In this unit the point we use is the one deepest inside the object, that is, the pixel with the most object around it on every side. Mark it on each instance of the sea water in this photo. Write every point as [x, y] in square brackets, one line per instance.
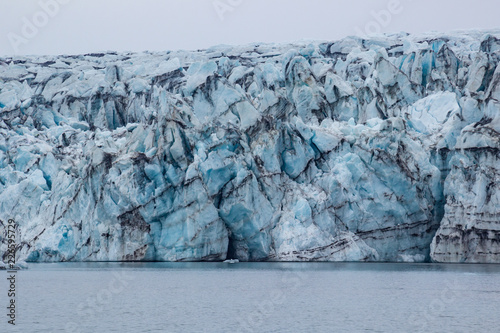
[254, 297]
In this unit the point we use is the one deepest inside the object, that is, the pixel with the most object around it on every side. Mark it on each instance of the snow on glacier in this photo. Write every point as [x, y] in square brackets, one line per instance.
[380, 149]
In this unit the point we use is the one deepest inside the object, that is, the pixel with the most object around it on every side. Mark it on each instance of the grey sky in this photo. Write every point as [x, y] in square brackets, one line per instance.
[82, 26]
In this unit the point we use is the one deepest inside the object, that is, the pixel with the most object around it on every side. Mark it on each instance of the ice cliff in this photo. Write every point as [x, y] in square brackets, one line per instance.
[380, 149]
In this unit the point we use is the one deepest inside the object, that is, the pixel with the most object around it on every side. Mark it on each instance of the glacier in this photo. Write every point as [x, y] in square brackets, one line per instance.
[376, 149]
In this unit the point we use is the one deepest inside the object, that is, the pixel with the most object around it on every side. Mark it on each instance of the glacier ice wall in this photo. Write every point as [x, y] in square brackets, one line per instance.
[380, 149]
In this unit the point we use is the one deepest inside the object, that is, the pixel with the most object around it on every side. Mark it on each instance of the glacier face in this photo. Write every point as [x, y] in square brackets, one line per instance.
[380, 149]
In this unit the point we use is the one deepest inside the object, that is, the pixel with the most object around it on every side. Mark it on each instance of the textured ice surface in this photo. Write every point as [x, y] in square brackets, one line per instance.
[361, 150]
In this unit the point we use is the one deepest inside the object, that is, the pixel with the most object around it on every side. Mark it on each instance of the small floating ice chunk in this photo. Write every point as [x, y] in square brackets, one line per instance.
[231, 261]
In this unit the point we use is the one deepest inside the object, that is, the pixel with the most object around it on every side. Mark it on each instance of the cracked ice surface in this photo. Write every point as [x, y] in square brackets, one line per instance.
[355, 150]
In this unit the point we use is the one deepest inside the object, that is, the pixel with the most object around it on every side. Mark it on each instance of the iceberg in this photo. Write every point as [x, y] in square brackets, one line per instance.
[377, 149]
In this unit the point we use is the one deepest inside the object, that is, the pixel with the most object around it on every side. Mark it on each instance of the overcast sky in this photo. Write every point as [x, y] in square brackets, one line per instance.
[82, 26]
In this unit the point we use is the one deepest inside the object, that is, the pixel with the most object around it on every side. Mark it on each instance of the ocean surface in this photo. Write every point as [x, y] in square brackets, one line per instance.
[254, 297]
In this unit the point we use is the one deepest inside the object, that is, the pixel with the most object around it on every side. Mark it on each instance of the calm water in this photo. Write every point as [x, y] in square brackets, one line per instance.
[255, 297]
